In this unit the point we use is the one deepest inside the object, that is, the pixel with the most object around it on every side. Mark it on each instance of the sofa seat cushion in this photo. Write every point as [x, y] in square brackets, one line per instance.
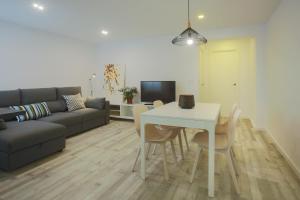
[64, 118]
[90, 113]
[18, 136]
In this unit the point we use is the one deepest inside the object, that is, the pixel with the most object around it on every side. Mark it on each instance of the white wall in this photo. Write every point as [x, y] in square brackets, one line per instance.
[31, 58]
[283, 70]
[154, 59]
[157, 59]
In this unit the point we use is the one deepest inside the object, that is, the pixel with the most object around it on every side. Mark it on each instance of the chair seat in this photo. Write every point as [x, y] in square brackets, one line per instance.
[201, 138]
[173, 129]
[165, 127]
[153, 134]
[221, 128]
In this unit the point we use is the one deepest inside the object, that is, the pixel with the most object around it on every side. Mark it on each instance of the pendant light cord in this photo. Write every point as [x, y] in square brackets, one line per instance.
[189, 23]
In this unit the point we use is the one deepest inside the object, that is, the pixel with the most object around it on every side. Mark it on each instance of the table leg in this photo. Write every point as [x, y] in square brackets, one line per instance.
[143, 159]
[211, 161]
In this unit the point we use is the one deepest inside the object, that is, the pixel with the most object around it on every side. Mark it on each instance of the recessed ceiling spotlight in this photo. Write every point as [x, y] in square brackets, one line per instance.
[38, 6]
[104, 32]
[201, 16]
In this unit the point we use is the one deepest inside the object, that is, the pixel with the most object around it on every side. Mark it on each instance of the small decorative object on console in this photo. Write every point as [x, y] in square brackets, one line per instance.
[186, 101]
[128, 93]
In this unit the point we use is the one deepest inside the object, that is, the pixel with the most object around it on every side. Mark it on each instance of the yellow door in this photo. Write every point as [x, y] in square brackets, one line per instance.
[228, 74]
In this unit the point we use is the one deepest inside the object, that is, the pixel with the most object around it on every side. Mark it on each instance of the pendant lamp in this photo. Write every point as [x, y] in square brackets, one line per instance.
[189, 37]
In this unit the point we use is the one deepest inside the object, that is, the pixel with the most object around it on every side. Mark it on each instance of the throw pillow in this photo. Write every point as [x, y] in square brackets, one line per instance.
[97, 103]
[57, 106]
[2, 124]
[74, 102]
[32, 111]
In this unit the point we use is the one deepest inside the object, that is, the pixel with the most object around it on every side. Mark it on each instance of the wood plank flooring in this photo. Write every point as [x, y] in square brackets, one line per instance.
[97, 165]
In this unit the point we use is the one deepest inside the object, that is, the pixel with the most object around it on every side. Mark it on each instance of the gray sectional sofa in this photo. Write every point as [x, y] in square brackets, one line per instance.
[24, 142]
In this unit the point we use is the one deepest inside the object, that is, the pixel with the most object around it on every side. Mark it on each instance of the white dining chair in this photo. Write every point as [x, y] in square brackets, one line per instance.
[180, 130]
[223, 145]
[153, 135]
[221, 128]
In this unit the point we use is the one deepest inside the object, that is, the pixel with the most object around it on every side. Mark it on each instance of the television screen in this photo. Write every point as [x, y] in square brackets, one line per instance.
[158, 90]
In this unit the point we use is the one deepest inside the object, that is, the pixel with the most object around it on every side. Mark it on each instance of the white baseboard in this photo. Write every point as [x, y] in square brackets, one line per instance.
[284, 154]
[255, 128]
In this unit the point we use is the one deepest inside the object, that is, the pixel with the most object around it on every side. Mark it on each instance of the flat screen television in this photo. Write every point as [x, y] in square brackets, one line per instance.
[158, 90]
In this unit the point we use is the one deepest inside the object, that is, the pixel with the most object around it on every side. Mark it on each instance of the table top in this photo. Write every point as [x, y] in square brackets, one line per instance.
[201, 111]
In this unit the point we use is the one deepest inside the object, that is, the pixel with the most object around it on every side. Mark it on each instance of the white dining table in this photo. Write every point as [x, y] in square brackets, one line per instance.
[202, 116]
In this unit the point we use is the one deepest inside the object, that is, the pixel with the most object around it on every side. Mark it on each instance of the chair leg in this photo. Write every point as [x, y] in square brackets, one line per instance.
[233, 158]
[185, 138]
[148, 150]
[166, 173]
[232, 172]
[232, 152]
[173, 151]
[154, 149]
[180, 145]
[195, 164]
[136, 159]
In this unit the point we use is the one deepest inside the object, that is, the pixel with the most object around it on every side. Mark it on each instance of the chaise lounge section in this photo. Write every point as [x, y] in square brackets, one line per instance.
[25, 142]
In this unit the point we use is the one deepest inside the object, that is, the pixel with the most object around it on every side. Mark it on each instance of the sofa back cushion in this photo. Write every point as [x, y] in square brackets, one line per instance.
[9, 98]
[67, 91]
[29, 96]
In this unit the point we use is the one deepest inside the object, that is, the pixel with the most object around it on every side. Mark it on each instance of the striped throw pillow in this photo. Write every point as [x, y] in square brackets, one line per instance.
[74, 102]
[32, 111]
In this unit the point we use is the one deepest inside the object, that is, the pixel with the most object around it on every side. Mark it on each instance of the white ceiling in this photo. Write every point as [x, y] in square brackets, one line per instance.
[84, 19]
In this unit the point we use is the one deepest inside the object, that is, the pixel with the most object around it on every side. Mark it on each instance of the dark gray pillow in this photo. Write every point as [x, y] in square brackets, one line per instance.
[2, 124]
[97, 103]
[57, 106]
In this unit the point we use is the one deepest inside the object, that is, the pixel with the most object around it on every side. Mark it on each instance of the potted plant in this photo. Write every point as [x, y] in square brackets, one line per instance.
[128, 93]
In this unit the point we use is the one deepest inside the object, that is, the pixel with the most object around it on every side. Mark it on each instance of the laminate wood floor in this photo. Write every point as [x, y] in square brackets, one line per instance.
[97, 165]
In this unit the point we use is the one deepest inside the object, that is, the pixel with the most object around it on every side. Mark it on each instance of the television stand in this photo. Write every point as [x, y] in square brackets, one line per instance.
[124, 110]
[147, 103]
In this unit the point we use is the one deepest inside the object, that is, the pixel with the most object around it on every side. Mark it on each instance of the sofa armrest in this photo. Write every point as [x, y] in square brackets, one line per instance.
[107, 111]
[100, 104]
[96, 103]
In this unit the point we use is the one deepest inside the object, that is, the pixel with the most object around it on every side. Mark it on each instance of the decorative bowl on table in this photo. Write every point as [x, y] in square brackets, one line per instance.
[186, 101]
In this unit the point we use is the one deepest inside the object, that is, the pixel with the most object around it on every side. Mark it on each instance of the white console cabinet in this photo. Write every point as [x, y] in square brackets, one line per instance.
[123, 111]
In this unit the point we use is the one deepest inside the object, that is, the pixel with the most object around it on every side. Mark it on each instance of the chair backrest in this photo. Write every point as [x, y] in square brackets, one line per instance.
[232, 127]
[137, 111]
[157, 103]
[233, 109]
[232, 112]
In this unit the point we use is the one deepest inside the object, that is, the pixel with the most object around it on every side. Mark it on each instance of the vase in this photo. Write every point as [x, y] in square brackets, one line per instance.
[129, 100]
[186, 101]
